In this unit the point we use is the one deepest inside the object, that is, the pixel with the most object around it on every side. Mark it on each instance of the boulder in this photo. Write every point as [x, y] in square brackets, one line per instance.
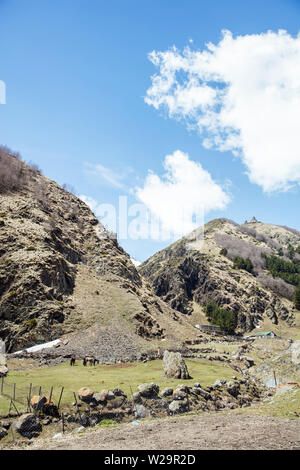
[3, 433]
[28, 425]
[148, 390]
[233, 388]
[249, 361]
[119, 393]
[98, 398]
[117, 402]
[178, 406]
[167, 392]
[3, 371]
[136, 397]
[37, 402]
[110, 395]
[85, 394]
[179, 394]
[141, 412]
[218, 383]
[50, 408]
[203, 393]
[183, 388]
[5, 424]
[174, 366]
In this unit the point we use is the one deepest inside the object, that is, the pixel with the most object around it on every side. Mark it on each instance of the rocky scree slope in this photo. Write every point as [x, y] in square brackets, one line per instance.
[61, 273]
[192, 272]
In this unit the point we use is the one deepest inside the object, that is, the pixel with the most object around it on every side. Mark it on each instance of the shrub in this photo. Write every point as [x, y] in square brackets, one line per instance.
[30, 324]
[241, 263]
[35, 167]
[12, 173]
[224, 251]
[223, 318]
[69, 188]
[31, 248]
[291, 251]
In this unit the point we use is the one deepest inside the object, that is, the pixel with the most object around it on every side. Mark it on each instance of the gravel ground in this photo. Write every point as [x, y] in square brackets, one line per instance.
[213, 431]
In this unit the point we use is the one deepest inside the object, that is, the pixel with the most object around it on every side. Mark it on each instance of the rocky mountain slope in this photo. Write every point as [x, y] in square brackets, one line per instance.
[192, 272]
[61, 273]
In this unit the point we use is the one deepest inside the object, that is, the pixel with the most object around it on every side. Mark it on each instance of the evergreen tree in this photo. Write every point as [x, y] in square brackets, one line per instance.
[223, 318]
[291, 251]
[241, 263]
[297, 298]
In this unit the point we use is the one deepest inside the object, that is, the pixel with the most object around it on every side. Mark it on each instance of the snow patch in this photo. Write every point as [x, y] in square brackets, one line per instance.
[39, 347]
[135, 262]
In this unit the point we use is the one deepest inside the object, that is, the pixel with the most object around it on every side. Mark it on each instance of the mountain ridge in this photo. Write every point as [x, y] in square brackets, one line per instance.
[194, 271]
[62, 274]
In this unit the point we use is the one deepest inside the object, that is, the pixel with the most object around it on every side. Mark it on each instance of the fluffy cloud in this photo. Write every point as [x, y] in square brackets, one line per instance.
[242, 95]
[184, 194]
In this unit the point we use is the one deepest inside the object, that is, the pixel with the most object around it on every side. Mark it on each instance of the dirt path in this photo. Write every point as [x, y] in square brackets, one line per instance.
[213, 431]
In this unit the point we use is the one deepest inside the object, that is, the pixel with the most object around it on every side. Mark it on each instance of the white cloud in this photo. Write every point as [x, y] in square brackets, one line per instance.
[185, 190]
[242, 95]
[112, 177]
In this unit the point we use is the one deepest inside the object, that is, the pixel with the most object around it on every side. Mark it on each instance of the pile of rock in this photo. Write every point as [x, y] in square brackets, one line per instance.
[107, 404]
[146, 402]
[221, 395]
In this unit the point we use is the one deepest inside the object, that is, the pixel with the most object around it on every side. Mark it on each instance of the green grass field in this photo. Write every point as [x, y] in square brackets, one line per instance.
[124, 376]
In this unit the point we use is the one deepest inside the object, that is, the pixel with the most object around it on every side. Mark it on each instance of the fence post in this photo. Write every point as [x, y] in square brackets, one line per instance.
[51, 391]
[29, 397]
[60, 397]
[14, 396]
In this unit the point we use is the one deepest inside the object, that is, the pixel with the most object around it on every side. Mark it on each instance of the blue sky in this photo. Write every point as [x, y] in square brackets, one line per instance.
[77, 72]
